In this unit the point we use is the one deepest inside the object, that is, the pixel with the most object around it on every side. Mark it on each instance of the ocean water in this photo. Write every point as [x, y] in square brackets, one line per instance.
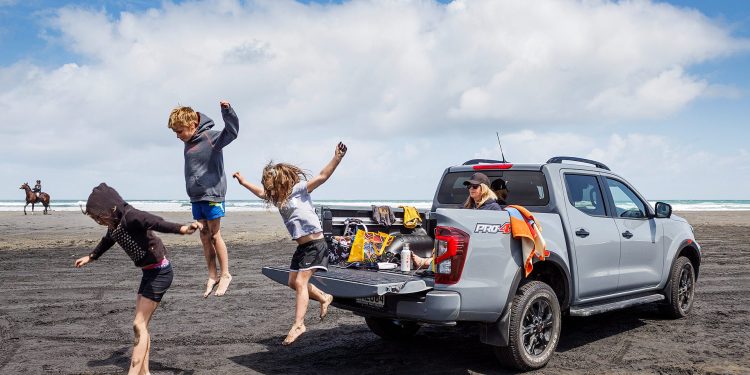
[231, 205]
[257, 205]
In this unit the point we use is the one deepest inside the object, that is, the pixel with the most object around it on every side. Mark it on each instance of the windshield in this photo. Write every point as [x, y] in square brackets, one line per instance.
[525, 188]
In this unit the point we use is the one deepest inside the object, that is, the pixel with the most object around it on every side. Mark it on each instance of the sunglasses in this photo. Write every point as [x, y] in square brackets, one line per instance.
[472, 186]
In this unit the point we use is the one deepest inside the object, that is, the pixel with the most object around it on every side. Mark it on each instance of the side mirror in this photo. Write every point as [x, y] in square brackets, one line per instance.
[663, 210]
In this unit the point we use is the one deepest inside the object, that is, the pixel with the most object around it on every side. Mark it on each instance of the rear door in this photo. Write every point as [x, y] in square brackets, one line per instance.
[596, 243]
[641, 243]
[353, 283]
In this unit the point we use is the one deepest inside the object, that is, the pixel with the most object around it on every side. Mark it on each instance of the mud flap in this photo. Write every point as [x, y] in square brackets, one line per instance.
[353, 283]
[496, 333]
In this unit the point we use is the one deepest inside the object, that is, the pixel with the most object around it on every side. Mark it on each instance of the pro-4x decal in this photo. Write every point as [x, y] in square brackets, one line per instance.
[492, 228]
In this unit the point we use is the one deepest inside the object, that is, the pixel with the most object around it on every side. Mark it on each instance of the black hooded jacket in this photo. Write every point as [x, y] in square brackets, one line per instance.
[132, 228]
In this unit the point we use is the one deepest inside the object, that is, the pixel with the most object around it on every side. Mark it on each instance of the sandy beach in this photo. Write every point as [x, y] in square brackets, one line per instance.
[58, 319]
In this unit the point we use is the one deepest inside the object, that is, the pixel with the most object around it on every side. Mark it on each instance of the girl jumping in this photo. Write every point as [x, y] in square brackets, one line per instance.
[287, 187]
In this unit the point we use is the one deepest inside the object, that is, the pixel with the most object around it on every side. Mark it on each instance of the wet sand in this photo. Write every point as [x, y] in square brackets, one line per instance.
[58, 319]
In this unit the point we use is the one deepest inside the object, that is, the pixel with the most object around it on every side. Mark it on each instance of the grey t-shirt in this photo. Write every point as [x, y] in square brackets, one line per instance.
[299, 214]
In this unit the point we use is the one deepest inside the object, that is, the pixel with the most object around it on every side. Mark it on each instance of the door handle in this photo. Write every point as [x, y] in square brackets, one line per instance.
[627, 234]
[582, 233]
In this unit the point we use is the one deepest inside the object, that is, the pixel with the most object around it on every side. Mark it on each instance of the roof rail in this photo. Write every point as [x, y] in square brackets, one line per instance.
[478, 161]
[560, 159]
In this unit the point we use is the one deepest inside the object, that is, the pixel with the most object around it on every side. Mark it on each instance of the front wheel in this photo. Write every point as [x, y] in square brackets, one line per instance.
[534, 328]
[392, 329]
[681, 289]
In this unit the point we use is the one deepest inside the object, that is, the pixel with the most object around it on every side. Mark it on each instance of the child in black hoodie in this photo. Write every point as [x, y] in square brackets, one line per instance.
[132, 229]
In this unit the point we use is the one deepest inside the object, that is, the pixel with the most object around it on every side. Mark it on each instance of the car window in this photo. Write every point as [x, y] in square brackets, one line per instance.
[525, 188]
[627, 203]
[584, 194]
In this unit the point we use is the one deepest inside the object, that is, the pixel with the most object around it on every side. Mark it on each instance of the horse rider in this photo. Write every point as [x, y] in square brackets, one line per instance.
[37, 188]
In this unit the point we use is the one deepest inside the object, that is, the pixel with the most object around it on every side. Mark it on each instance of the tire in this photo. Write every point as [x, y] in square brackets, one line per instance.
[391, 329]
[680, 289]
[534, 328]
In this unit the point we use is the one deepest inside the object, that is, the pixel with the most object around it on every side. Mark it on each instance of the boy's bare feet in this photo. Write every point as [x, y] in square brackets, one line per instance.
[223, 285]
[324, 306]
[295, 332]
[210, 284]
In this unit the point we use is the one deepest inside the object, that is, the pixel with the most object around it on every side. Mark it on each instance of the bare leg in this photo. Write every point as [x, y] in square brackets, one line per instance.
[324, 299]
[300, 283]
[144, 368]
[144, 309]
[314, 294]
[220, 249]
[148, 352]
[210, 254]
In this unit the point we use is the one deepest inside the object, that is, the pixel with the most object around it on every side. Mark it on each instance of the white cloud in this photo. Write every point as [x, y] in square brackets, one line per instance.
[397, 79]
[659, 167]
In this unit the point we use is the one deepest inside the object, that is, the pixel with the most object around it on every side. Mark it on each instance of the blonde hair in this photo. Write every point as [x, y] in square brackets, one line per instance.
[278, 181]
[182, 117]
[486, 194]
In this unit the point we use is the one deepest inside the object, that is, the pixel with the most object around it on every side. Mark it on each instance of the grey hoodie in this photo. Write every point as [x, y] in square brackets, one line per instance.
[204, 162]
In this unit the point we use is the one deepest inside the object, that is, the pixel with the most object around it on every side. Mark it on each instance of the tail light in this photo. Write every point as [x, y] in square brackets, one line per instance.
[451, 245]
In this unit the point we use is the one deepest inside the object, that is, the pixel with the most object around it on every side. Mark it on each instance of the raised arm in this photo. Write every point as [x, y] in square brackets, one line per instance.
[328, 169]
[255, 189]
[231, 126]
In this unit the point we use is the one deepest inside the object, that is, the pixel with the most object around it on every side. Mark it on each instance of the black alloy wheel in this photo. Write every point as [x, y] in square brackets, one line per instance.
[534, 327]
[537, 327]
[685, 288]
[680, 290]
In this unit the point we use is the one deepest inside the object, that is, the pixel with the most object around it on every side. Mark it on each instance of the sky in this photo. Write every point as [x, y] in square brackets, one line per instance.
[657, 90]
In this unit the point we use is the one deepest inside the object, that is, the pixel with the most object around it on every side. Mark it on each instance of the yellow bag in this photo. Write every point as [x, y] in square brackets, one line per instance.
[357, 254]
[411, 217]
[368, 246]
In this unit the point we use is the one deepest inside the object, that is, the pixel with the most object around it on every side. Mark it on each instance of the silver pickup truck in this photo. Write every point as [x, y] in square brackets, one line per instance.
[609, 249]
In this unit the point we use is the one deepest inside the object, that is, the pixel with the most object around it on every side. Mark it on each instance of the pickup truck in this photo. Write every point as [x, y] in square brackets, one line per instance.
[609, 249]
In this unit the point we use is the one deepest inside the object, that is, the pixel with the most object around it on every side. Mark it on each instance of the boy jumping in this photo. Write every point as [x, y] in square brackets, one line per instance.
[206, 182]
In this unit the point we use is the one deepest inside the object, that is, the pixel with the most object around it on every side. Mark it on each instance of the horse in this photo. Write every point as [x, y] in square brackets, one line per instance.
[33, 199]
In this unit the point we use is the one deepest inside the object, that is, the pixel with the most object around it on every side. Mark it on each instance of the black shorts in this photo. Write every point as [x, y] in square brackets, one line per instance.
[311, 255]
[155, 282]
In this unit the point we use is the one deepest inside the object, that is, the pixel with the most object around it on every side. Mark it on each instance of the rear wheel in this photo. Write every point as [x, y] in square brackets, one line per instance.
[392, 329]
[534, 328]
[681, 289]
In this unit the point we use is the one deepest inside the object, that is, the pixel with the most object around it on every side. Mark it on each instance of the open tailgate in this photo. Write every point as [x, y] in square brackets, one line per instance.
[354, 283]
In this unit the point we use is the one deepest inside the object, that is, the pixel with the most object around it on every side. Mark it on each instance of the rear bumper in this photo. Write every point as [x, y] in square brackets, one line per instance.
[438, 306]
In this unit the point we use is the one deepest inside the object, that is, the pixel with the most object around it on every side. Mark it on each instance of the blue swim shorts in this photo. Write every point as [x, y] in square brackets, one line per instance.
[205, 210]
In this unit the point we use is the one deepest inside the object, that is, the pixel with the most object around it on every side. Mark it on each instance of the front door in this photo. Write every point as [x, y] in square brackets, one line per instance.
[641, 251]
[596, 243]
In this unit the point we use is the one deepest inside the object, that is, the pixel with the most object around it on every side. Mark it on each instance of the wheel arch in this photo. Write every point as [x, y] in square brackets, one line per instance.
[688, 249]
[553, 272]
